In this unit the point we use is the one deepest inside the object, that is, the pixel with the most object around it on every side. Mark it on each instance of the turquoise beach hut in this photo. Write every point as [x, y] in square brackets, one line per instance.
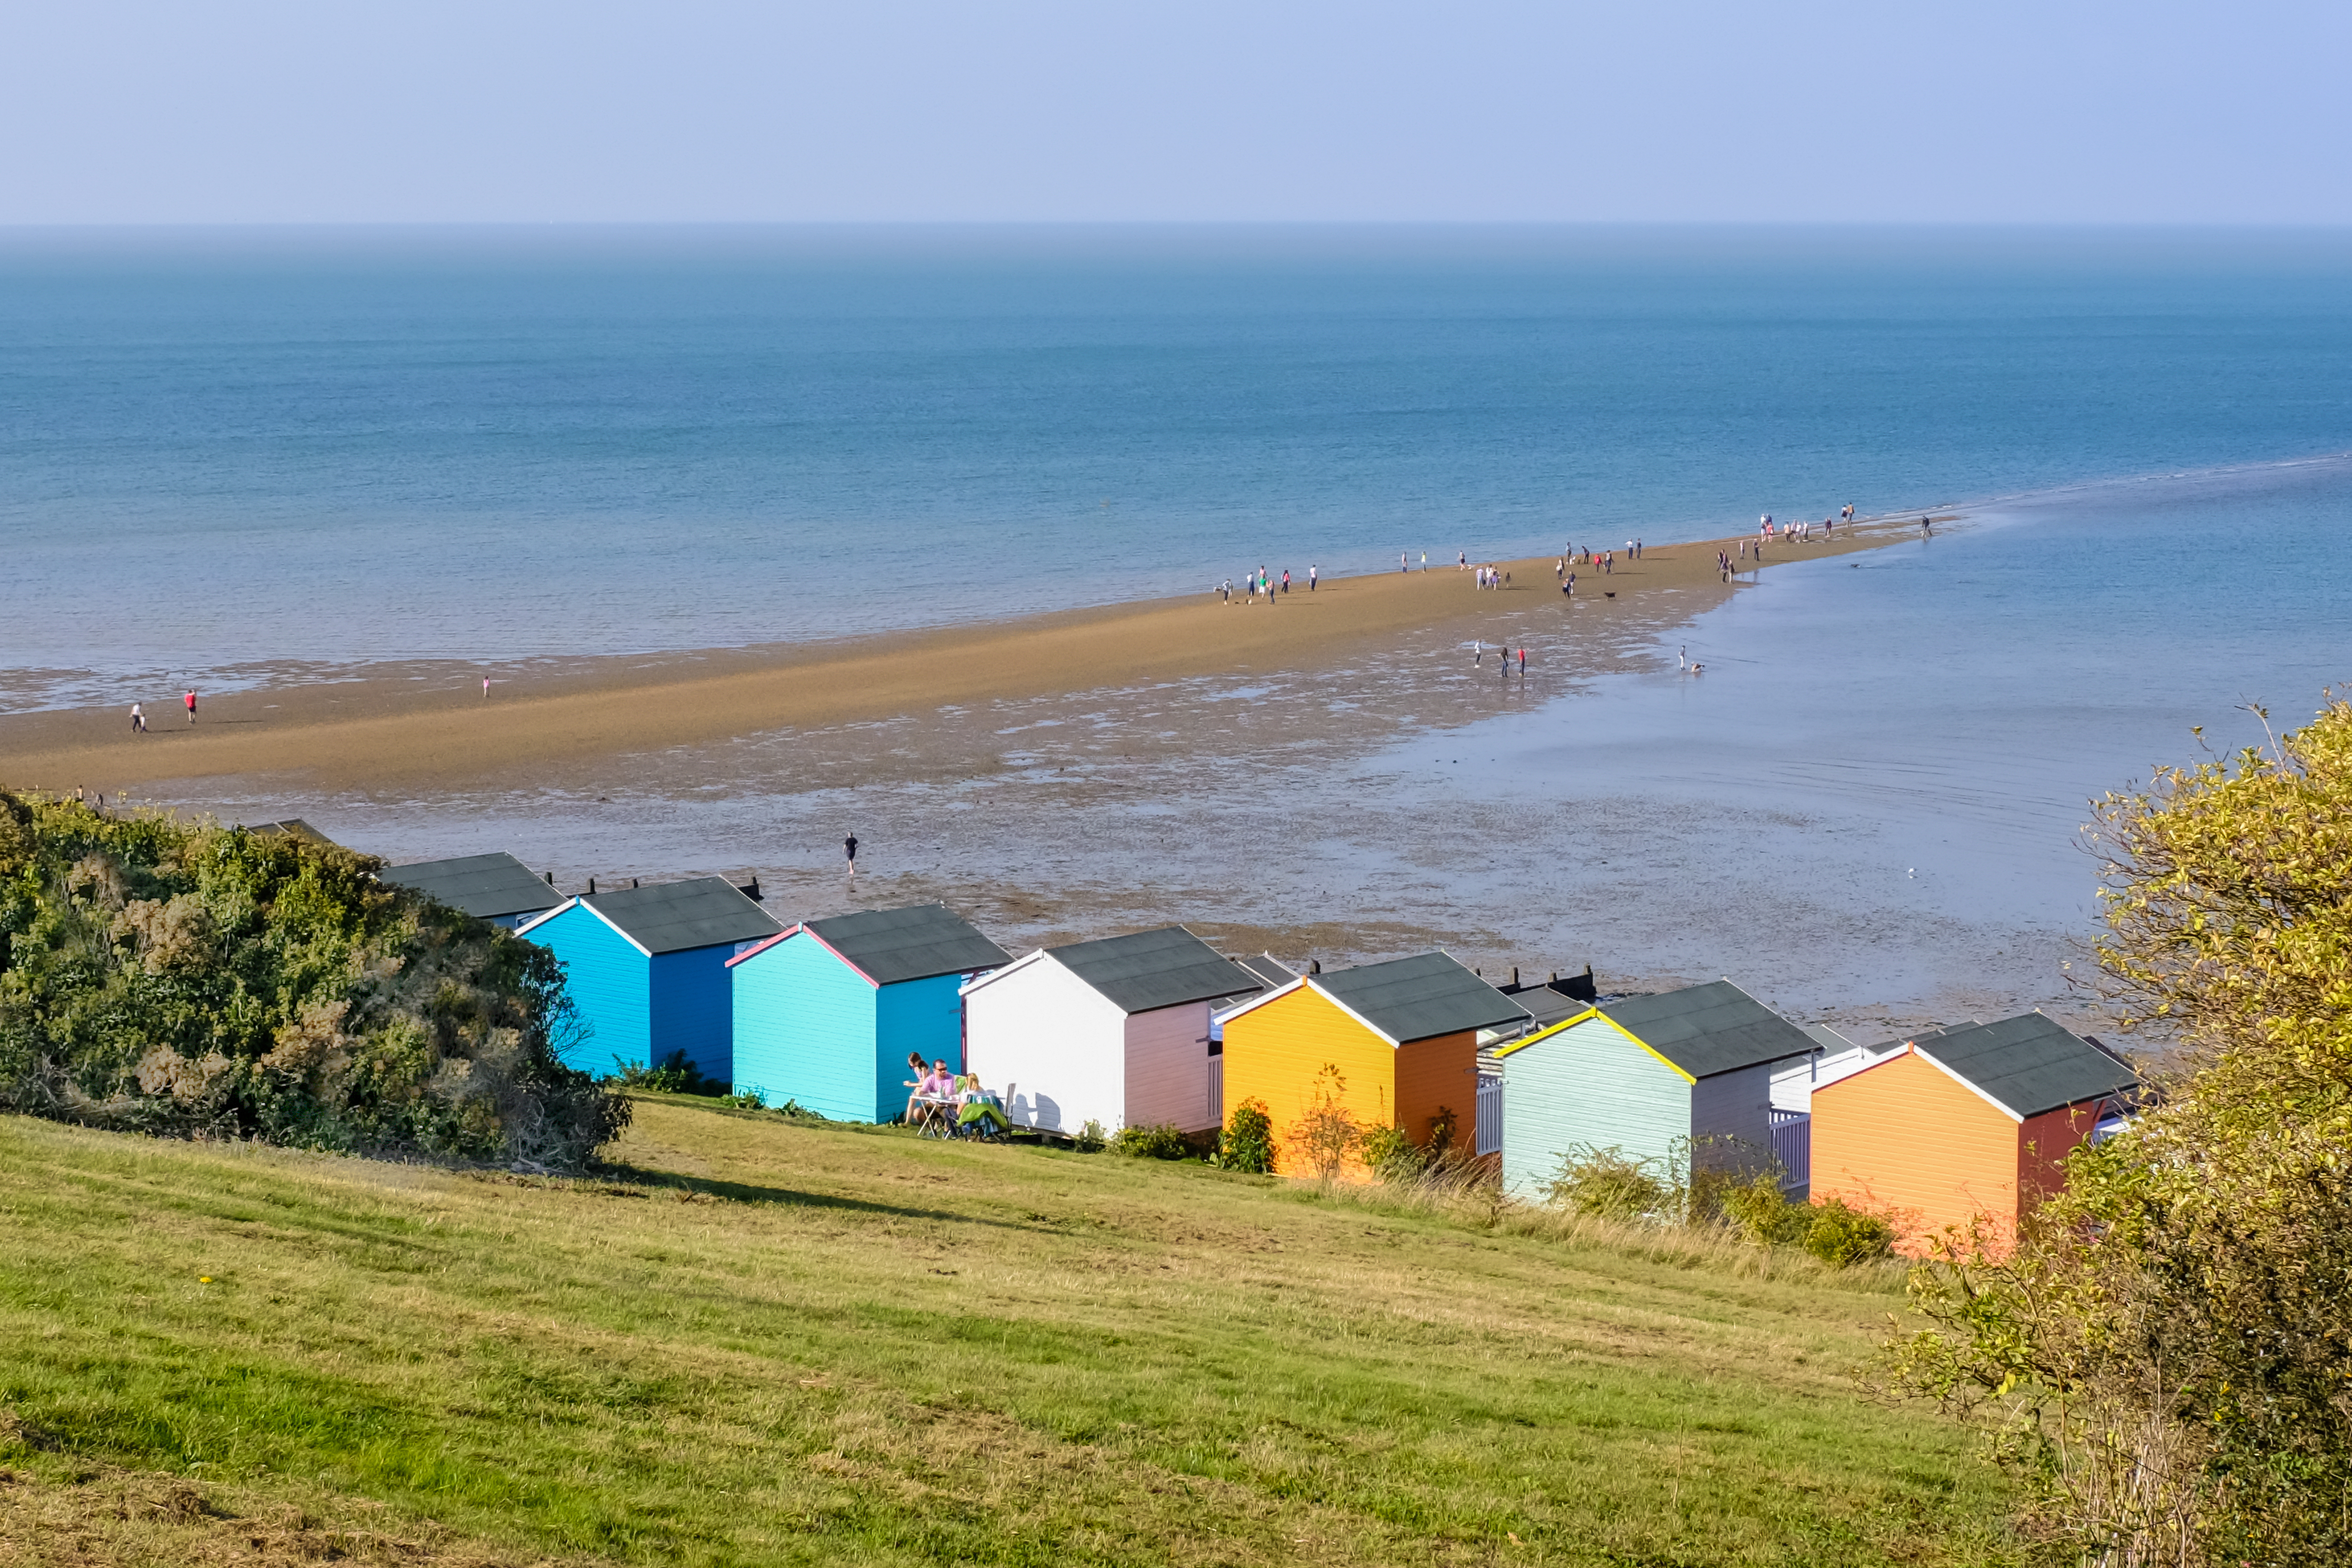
[1644, 1075]
[826, 1013]
[647, 968]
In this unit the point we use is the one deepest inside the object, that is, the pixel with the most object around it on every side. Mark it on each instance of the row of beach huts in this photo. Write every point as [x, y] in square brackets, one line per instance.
[1945, 1128]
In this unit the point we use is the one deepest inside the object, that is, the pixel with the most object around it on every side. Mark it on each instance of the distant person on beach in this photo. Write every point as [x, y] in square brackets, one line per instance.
[1313, 572]
[1477, 653]
[1462, 562]
[486, 688]
[1924, 529]
[1404, 561]
[1523, 664]
[849, 850]
[138, 719]
[191, 697]
[1286, 579]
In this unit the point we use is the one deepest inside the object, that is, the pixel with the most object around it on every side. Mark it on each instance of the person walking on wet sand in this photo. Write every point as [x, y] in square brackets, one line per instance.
[138, 719]
[191, 701]
[1313, 573]
[849, 852]
[1523, 664]
[1924, 529]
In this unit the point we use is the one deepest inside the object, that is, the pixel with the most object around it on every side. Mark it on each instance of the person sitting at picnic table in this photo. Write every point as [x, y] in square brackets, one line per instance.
[915, 1084]
[978, 1110]
[934, 1094]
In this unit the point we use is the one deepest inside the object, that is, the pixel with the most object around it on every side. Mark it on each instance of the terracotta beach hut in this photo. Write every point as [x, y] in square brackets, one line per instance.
[647, 968]
[1658, 1078]
[1113, 1032]
[1403, 1036]
[1965, 1124]
[496, 888]
[826, 1013]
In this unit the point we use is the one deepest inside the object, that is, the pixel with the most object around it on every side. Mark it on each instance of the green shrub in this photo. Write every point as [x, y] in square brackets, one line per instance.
[1610, 1183]
[1159, 1141]
[1391, 1156]
[187, 978]
[1247, 1142]
[672, 1075]
[1844, 1237]
[1763, 1213]
[747, 1099]
[1091, 1137]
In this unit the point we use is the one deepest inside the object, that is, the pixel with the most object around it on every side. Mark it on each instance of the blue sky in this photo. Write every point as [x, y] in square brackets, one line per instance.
[1810, 110]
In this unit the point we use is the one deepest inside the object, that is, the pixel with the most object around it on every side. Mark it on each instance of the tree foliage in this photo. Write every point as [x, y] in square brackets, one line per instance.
[2168, 1350]
[175, 978]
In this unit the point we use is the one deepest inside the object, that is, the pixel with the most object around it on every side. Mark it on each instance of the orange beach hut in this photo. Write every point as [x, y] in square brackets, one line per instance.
[1402, 1035]
[1965, 1124]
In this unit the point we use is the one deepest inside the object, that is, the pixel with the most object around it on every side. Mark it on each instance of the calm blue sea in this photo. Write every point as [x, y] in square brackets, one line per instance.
[222, 453]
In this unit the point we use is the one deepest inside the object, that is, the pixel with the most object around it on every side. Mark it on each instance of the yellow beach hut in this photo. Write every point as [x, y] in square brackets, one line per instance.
[1395, 1044]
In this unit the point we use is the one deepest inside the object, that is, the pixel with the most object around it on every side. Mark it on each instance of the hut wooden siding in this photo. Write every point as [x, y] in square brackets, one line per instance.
[1275, 1054]
[610, 981]
[1437, 1081]
[795, 1003]
[2045, 1141]
[1055, 1044]
[1588, 1083]
[1905, 1138]
[1914, 1137]
[1736, 1106]
[1168, 1069]
[1368, 1023]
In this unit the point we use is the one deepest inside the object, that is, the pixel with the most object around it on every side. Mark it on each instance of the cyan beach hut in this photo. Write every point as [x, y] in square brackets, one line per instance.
[496, 888]
[1645, 1076]
[826, 1013]
[647, 968]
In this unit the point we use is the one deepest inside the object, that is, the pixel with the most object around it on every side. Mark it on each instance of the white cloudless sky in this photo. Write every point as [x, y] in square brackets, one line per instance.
[617, 110]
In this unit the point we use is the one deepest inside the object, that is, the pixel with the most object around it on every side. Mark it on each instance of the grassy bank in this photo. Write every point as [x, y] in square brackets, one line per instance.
[788, 1343]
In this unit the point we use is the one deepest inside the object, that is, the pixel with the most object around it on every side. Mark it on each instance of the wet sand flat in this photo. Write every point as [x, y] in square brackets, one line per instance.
[427, 727]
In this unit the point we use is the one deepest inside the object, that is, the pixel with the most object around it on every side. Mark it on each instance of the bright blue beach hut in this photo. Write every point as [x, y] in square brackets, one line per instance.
[1645, 1074]
[826, 1013]
[647, 968]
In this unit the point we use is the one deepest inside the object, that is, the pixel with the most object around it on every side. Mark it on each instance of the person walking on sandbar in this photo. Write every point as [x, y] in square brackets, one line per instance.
[849, 852]
[191, 701]
[138, 719]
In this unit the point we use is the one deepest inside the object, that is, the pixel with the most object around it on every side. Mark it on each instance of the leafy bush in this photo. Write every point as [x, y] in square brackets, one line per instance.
[1091, 1137]
[1845, 1237]
[1327, 1133]
[1247, 1142]
[1159, 1141]
[1763, 1212]
[1391, 1156]
[747, 1099]
[674, 1074]
[1609, 1183]
[193, 979]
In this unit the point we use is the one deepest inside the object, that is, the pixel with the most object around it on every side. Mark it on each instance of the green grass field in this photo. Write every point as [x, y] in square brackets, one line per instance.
[776, 1342]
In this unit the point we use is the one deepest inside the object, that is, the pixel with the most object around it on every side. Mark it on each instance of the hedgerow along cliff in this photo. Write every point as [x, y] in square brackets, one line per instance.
[181, 978]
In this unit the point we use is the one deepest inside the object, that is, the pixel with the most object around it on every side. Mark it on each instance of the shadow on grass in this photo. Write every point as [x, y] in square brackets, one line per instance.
[635, 1177]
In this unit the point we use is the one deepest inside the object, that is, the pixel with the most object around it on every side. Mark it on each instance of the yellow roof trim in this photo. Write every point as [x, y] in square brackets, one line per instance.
[1581, 1017]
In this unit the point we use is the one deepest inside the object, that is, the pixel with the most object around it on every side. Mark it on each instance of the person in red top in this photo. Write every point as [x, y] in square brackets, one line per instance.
[191, 701]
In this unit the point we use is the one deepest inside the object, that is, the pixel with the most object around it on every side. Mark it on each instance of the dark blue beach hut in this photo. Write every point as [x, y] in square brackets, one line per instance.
[647, 968]
[826, 1013]
[497, 888]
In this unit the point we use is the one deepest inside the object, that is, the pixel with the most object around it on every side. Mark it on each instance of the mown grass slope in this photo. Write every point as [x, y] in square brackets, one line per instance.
[776, 1342]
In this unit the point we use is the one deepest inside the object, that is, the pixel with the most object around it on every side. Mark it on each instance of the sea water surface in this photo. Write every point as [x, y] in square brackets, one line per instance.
[225, 454]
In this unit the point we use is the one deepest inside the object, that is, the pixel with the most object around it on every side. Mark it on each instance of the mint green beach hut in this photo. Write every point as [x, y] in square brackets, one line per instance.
[1644, 1075]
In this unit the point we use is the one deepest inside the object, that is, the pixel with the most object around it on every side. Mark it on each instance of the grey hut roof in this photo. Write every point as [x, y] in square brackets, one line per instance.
[1268, 969]
[487, 885]
[2029, 1064]
[1153, 969]
[1415, 998]
[671, 917]
[296, 829]
[914, 943]
[1711, 1028]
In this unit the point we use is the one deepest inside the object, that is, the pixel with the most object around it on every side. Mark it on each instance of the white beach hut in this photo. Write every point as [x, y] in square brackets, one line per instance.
[1114, 1032]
